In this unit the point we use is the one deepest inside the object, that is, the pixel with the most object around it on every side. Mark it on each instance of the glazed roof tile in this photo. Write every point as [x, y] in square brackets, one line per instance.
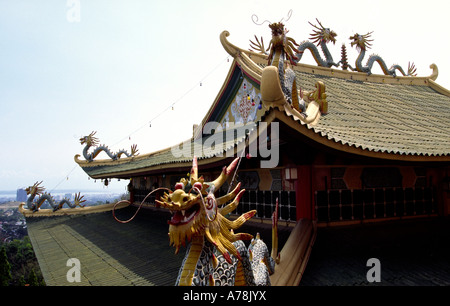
[390, 118]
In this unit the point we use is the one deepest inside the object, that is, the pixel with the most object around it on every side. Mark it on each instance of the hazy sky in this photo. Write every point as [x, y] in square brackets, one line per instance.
[122, 63]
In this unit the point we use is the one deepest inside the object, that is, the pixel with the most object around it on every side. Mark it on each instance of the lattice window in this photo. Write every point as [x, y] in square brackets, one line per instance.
[264, 204]
[358, 204]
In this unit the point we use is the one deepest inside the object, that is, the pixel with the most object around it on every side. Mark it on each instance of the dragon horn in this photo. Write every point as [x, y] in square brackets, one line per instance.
[39, 187]
[367, 35]
[226, 171]
[194, 170]
[320, 23]
[314, 26]
[322, 28]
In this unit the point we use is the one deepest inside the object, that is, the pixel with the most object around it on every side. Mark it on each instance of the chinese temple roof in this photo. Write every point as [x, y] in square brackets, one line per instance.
[403, 121]
[382, 116]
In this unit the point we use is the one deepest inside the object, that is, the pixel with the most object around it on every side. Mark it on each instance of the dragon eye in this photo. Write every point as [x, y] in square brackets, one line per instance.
[198, 185]
[179, 186]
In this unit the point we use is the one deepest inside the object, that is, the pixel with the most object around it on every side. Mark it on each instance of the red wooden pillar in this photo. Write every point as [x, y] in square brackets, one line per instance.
[303, 193]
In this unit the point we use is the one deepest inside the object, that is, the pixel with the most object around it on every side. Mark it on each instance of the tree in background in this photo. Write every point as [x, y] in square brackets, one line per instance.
[22, 260]
[32, 279]
[5, 268]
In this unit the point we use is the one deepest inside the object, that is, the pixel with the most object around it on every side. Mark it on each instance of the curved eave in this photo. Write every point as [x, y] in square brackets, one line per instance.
[124, 160]
[309, 132]
[69, 211]
[161, 161]
[159, 168]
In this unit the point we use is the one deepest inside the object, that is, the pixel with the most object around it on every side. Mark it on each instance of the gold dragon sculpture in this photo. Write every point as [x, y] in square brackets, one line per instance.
[215, 254]
[283, 47]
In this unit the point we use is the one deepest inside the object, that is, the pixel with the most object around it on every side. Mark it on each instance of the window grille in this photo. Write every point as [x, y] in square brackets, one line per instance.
[371, 203]
[264, 203]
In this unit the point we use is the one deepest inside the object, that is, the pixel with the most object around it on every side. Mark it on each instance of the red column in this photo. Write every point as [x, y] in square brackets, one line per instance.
[304, 196]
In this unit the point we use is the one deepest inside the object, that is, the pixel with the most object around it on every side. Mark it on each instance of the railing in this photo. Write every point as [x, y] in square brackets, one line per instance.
[262, 201]
[264, 204]
[359, 204]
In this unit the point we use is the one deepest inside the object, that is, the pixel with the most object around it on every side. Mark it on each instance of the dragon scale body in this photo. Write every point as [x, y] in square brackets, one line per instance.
[196, 266]
[203, 265]
[307, 45]
[90, 141]
[288, 82]
[371, 61]
[35, 190]
[99, 149]
[362, 43]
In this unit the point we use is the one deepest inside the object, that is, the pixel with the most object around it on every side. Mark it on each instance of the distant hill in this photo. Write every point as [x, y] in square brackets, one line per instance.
[9, 205]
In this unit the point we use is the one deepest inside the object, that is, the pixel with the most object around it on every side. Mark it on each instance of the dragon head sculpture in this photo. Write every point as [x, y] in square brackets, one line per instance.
[322, 34]
[35, 189]
[90, 140]
[281, 42]
[362, 42]
[196, 212]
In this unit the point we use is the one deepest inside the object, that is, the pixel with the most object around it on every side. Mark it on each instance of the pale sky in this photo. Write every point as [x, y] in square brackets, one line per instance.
[126, 62]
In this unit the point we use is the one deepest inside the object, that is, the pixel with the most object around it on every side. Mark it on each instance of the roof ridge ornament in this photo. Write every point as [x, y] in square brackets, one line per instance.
[37, 190]
[278, 80]
[321, 36]
[435, 72]
[90, 141]
[363, 43]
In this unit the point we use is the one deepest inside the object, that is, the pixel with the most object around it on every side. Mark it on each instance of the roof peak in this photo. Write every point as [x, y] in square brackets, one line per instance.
[252, 62]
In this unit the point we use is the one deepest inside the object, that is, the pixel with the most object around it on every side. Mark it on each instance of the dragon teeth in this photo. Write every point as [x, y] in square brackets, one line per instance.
[183, 212]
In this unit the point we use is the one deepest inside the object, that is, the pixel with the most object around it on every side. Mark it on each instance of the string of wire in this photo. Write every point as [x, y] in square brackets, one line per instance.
[171, 105]
[66, 177]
